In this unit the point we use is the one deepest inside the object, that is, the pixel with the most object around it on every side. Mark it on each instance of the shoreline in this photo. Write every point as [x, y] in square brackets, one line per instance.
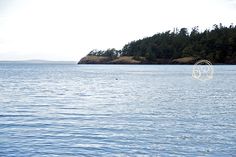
[129, 60]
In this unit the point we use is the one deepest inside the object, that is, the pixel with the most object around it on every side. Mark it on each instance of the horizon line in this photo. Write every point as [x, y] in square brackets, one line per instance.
[34, 60]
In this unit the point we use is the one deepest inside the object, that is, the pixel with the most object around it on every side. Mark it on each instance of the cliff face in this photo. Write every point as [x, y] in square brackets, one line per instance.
[107, 60]
[94, 60]
[125, 60]
[184, 60]
[132, 60]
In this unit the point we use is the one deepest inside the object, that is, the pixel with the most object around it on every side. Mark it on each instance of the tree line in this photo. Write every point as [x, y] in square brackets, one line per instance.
[217, 45]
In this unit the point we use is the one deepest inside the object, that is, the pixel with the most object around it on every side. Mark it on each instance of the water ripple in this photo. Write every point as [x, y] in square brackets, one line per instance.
[115, 110]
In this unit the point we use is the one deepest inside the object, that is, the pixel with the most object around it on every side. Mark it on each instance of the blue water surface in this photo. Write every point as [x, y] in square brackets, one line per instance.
[116, 110]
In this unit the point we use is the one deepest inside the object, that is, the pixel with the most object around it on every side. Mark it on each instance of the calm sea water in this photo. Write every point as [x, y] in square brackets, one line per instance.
[116, 110]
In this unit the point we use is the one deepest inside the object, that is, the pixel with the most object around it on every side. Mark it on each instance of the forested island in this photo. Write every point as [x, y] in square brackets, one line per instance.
[179, 46]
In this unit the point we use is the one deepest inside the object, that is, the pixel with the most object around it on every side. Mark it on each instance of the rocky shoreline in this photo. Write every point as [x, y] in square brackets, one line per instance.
[132, 60]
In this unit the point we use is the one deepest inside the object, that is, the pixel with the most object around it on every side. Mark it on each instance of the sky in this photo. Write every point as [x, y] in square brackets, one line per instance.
[66, 30]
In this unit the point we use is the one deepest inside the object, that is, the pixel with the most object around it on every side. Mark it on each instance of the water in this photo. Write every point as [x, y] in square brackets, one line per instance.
[116, 110]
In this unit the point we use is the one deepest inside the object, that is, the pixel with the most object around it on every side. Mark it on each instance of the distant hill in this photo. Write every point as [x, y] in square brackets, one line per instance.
[173, 47]
[35, 61]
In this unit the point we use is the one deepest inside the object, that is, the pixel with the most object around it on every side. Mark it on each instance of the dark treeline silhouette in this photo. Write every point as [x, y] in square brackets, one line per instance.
[112, 53]
[217, 45]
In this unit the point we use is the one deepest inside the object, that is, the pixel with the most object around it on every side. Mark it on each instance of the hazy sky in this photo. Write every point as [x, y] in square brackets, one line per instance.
[69, 29]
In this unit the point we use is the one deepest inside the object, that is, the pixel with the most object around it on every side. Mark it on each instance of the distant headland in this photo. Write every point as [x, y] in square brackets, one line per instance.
[173, 47]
